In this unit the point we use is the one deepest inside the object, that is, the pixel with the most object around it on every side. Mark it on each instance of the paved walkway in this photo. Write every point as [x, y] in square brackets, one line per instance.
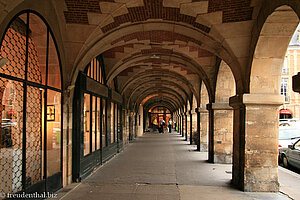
[161, 167]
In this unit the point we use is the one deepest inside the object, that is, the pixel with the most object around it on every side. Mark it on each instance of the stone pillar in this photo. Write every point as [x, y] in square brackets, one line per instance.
[182, 123]
[211, 141]
[186, 128]
[203, 129]
[223, 133]
[191, 127]
[255, 134]
[197, 110]
[181, 128]
[177, 122]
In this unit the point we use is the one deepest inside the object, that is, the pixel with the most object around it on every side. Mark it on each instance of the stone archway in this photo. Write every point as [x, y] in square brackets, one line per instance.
[255, 159]
[223, 116]
[204, 100]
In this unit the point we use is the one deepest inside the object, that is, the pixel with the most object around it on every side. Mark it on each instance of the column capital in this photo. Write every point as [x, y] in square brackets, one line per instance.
[201, 110]
[239, 101]
[221, 106]
[236, 101]
[209, 106]
[263, 99]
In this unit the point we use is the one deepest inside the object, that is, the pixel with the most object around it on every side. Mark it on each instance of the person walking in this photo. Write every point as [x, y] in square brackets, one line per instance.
[154, 125]
[161, 125]
[170, 125]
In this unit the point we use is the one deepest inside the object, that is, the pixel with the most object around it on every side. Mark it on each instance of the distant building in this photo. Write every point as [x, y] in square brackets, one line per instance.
[291, 66]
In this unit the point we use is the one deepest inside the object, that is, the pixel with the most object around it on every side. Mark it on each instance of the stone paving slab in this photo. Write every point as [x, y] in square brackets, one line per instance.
[162, 167]
[213, 192]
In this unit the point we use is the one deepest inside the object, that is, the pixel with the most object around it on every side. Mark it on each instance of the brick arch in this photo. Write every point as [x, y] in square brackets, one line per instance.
[155, 102]
[160, 91]
[140, 77]
[167, 84]
[167, 89]
[155, 105]
[180, 61]
[101, 43]
[165, 99]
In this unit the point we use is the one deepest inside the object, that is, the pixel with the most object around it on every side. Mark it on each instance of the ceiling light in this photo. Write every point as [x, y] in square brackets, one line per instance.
[155, 56]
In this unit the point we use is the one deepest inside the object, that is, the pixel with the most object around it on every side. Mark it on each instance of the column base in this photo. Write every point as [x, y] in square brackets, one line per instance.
[261, 180]
[222, 158]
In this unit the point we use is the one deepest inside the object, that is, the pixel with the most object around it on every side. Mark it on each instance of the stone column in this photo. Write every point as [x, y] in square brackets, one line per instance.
[185, 125]
[203, 129]
[181, 126]
[191, 127]
[255, 160]
[223, 133]
[211, 142]
[178, 123]
[197, 110]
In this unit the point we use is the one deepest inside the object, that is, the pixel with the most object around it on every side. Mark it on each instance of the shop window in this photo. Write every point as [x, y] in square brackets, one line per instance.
[37, 51]
[33, 134]
[86, 122]
[112, 114]
[95, 70]
[104, 128]
[53, 66]
[116, 123]
[28, 35]
[98, 122]
[53, 132]
[11, 135]
[93, 123]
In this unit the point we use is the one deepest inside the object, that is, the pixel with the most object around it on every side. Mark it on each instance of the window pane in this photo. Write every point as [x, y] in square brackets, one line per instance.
[53, 132]
[33, 135]
[13, 49]
[54, 79]
[104, 123]
[11, 132]
[112, 134]
[93, 122]
[86, 134]
[92, 69]
[37, 50]
[98, 122]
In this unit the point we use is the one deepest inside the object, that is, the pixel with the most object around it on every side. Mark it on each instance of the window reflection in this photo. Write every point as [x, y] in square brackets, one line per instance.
[11, 132]
[17, 40]
[112, 133]
[104, 123]
[86, 122]
[37, 51]
[33, 134]
[53, 132]
[98, 122]
[93, 123]
[53, 66]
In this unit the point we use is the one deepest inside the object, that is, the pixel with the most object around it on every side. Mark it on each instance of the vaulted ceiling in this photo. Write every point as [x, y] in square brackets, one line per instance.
[160, 51]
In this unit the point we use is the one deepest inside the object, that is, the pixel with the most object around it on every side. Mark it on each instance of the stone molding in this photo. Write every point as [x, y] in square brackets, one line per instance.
[263, 99]
[221, 106]
[239, 101]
